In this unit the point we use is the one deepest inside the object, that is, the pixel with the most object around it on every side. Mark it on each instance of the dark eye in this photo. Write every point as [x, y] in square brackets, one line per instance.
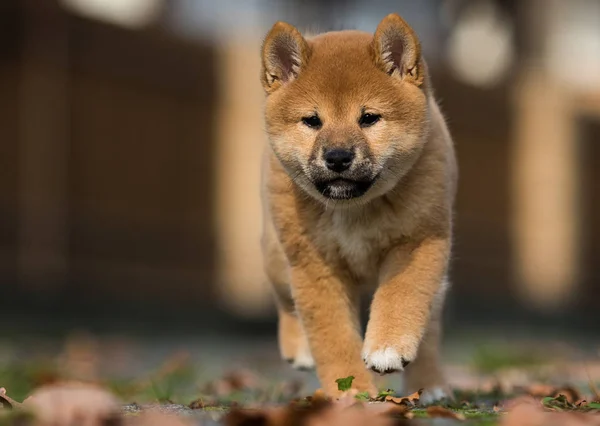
[368, 119]
[313, 121]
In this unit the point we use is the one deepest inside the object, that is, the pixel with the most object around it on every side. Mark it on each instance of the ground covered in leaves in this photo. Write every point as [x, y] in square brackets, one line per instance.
[112, 381]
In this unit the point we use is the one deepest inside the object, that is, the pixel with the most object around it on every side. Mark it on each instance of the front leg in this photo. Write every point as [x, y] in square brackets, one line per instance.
[411, 276]
[326, 301]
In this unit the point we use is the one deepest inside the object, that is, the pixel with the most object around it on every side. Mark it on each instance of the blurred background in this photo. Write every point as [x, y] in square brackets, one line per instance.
[130, 142]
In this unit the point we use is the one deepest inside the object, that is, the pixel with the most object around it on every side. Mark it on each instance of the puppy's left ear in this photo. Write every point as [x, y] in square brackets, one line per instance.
[398, 51]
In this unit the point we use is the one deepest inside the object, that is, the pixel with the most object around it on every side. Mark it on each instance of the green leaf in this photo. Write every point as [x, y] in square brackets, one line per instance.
[383, 394]
[594, 405]
[363, 396]
[558, 403]
[345, 383]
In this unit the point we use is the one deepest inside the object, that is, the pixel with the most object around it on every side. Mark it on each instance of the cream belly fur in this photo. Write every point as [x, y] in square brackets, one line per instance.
[359, 180]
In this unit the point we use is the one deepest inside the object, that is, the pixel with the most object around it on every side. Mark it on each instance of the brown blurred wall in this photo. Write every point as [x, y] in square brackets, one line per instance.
[107, 176]
[117, 147]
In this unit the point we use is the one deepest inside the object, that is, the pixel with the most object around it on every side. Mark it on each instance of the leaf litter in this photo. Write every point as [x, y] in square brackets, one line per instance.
[259, 402]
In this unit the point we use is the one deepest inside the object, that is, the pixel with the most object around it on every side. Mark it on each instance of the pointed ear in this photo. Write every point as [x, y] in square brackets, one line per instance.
[398, 50]
[284, 54]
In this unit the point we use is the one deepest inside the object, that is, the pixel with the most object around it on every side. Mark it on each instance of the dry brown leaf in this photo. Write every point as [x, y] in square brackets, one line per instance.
[200, 403]
[6, 401]
[356, 415]
[538, 390]
[264, 417]
[72, 402]
[156, 419]
[569, 392]
[534, 415]
[347, 410]
[321, 411]
[406, 400]
[437, 411]
[512, 404]
[391, 409]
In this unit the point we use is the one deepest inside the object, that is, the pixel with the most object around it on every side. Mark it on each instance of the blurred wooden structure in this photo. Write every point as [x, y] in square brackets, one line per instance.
[130, 171]
[554, 182]
[107, 159]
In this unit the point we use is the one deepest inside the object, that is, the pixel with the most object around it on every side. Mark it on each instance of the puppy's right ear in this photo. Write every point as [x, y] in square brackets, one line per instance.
[284, 54]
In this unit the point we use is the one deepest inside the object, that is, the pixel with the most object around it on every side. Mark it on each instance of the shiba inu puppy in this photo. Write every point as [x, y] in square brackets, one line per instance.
[358, 189]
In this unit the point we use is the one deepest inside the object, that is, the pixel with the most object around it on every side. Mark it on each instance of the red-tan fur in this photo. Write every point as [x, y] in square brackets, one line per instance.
[320, 254]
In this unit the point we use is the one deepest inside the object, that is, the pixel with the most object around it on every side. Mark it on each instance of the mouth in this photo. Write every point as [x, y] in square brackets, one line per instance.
[343, 189]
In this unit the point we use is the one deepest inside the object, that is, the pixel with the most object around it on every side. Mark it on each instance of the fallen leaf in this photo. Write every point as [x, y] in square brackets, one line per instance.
[320, 411]
[512, 404]
[538, 390]
[407, 400]
[154, 418]
[393, 410]
[582, 403]
[6, 401]
[72, 402]
[264, 417]
[383, 394]
[202, 403]
[352, 416]
[347, 411]
[570, 393]
[437, 411]
[344, 384]
[560, 402]
[533, 415]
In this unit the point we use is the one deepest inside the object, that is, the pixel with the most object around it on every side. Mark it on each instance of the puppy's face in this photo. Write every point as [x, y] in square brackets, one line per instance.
[345, 111]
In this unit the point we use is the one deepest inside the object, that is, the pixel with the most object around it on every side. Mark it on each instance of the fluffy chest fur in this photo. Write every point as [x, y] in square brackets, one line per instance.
[357, 240]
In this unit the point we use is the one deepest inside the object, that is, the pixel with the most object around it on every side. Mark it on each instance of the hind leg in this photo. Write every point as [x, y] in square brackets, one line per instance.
[293, 344]
[425, 372]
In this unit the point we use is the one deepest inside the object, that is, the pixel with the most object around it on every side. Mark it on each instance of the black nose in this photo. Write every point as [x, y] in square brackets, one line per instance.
[338, 159]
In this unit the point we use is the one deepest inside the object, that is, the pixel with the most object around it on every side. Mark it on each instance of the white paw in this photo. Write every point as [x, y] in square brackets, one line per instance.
[303, 359]
[384, 361]
[434, 394]
[387, 358]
